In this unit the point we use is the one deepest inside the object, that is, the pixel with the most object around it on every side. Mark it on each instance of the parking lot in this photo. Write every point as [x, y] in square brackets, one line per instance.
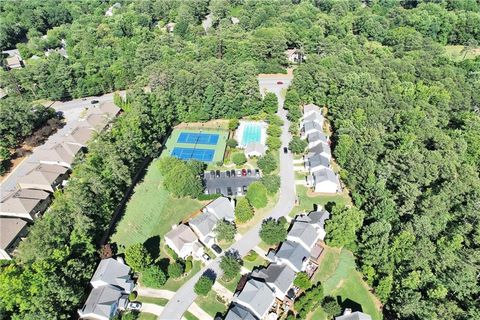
[229, 183]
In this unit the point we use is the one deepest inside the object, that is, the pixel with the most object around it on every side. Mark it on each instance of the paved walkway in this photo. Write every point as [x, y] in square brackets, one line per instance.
[185, 296]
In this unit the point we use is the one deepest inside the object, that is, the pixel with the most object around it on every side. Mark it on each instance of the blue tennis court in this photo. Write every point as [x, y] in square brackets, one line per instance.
[195, 154]
[198, 138]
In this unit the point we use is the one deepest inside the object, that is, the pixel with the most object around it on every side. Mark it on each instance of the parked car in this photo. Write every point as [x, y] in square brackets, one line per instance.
[212, 174]
[94, 101]
[216, 248]
[227, 173]
[232, 173]
[134, 305]
[285, 150]
[217, 173]
[279, 82]
[257, 173]
[206, 257]
[239, 191]
[244, 189]
[229, 191]
[239, 173]
[244, 172]
[249, 172]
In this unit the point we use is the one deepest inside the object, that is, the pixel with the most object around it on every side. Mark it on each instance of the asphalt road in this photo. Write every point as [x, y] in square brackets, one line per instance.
[72, 111]
[185, 296]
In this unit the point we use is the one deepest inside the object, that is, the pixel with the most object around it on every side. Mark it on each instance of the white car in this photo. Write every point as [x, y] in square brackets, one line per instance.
[134, 305]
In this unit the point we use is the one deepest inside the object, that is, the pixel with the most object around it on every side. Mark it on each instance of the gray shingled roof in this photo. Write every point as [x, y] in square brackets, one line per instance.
[320, 148]
[238, 312]
[9, 229]
[315, 116]
[222, 208]
[280, 275]
[357, 315]
[319, 217]
[310, 107]
[317, 136]
[318, 160]
[101, 301]
[115, 273]
[255, 147]
[204, 222]
[325, 175]
[257, 296]
[293, 252]
[309, 125]
[305, 232]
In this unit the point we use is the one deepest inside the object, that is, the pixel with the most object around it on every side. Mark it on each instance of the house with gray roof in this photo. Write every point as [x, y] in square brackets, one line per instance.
[317, 220]
[12, 230]
[25, 204]
[357, 315]
[103, 303]
[310, 108]
[324, 181]
[61, 153]
[320, 149]
[115, 273]
[43, 176]
[279, 277]
[313, 117]
[257, 297]
[303, 233]
[255, 149]
[221, 208]
[293, 254]
[310, 127]
[316, 138]
[204, 225]
[183, 241]
[239, 312]
[316, 162]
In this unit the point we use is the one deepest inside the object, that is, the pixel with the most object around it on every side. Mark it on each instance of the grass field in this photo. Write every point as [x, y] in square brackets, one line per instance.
[211, 303]
[306, 201]
[146, 316]
[151, 212]
[455, 52]
[340, 279]
[258, 261]
[232, 284]
[219, 147]
[159, 301]
[175, 284]
[259, 214]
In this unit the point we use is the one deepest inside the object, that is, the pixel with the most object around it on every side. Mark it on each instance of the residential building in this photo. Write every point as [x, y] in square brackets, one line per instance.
[293, 254]
[357, 315]
[316, 162]
[103, 303]
[320, 149]
[324, 181]
[311, 127]
[317, 220]
[309, 109]
[316, 138]
[304, 233]
[257, 297]
[79, 136]
[61, 153]
[25, 204]
[183, 241]
[316, 117]
[13, 62]
[255, 149]
[279, 277]
[111, 282]
[43, 176]
[221, 208]
[12, 230]
[239, 312]
[115, 273]
[295, 55]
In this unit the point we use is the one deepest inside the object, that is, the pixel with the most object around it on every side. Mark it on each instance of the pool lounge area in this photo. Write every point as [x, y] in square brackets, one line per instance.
[251, 132]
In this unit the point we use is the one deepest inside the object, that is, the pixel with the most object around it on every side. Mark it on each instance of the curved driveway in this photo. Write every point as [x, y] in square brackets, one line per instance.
[185, 296]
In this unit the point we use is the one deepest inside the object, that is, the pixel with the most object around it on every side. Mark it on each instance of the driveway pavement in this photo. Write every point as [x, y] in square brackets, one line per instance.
[72, 111]
[185, 296]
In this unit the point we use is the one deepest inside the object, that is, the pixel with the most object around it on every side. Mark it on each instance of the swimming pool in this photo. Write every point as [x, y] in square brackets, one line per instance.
[252, 132]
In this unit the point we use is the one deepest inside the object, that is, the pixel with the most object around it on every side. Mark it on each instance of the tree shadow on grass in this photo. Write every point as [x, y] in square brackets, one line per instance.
[152, 245]
[350, 304]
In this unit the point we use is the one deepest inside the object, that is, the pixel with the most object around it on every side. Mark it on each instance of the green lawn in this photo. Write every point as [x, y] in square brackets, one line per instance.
[146, 316]
[151, 212]
[190, 316]
[259, 215]
[175, 284]
[258, 261]
[455, 52]
[337, 272]
[159, 301]
[306, 202]
[232, 284]
[211, 303]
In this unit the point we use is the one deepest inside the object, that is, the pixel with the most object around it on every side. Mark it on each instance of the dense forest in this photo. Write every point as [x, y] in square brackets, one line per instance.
[405, 120]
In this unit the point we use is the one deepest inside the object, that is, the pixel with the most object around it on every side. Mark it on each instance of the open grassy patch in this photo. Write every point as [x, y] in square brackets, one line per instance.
[253, 260]
[306, 201]
[232, 284]
[212, 303]
[158, 301]
[459, 53]
[337, 272]
[175, 284]
[259, 215]
[151, 211]
[146, 316]
[189, 316]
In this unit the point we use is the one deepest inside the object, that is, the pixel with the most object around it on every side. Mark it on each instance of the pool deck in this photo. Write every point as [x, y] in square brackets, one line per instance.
[219, 147]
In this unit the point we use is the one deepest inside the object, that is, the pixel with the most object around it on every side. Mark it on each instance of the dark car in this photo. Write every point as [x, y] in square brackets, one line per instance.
[232, 172]
[229, 191]
[217, 173]
[257, 172]
[244, 172]
[227, 173]
[244, 189]
[217, 249]
[249, 172]
[285, 150]
[279, 82]
[212, 174]
[94, 101]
